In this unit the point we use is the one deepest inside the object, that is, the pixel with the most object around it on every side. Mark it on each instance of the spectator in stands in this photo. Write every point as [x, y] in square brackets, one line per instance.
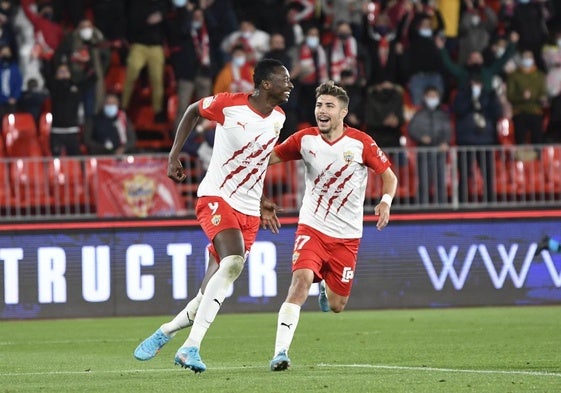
[110, 18]
[343, 53]
[292, 29]
[450, 11]
[527, 93]
[347, 11]
[430, 127]
[65, 98]
[477, 25]
[200, 143]
[423, 60]
[355, 115]
[278, 51]
[33, 99]
[384, 117]
[10, 75]
[237, 75]
[310, 69]
[191, 56]
[88, 55]
[385, 62]
[7, 31]
[254, 41]
[48, 34]
[147, 36]
[551, 53]
[475, 66]
[68, 12]
[553, 130]
[477, 111]
[529, 21]
[111, 132]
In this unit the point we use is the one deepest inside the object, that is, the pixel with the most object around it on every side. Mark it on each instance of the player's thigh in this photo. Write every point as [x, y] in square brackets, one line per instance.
[309, 252]
[340, 271]
[231, 232]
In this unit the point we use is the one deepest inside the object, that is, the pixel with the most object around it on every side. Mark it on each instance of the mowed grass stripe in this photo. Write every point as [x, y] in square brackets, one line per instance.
[491, 350]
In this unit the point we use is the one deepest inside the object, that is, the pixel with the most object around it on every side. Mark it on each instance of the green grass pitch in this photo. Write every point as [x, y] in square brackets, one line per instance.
[510, 349]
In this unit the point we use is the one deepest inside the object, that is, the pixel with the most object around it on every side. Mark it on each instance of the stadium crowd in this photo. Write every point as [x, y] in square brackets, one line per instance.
[442, 71]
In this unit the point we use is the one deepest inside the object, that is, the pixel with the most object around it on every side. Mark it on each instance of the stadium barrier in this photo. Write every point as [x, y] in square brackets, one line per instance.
[499, 177]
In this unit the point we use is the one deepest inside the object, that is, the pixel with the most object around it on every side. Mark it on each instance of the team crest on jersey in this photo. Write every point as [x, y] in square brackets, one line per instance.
[295, 257]
[348, 156]
[207, 101]
[277, 127]
[216, 219]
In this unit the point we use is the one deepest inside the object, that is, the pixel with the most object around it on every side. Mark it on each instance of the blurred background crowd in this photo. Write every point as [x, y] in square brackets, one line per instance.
[440, 72]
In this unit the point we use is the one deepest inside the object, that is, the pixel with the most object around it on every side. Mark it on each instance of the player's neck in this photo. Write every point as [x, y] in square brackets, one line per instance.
[259, 102]
[334, 134]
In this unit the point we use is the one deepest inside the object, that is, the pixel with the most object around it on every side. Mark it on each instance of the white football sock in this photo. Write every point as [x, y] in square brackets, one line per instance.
[184, 318]
[215, 292]
[289, 314]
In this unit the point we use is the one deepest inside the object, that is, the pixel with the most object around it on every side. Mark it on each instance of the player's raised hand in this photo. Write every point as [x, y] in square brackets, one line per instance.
[175, 171]
[269, 219]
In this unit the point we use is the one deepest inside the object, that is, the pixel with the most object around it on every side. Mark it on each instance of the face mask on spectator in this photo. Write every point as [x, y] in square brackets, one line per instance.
[559, 42]
[476, 90]
[86, 33]
[425, 32]
[239, 61]
[246, 34]
[196, 25]
[179, 3]
[110, 110]
[524, 1]
[500, 52]
[527, 62]
[475, 19]
[312, 41]
[432, 102]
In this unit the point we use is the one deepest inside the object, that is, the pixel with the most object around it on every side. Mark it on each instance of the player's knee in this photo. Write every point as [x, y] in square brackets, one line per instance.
[338, 305]
[232, 265]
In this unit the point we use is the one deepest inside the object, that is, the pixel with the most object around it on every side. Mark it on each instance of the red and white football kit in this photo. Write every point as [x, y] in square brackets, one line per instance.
[330, 221]
[243, 142]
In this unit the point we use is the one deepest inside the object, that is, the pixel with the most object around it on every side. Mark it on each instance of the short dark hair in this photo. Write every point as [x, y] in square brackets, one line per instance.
[329, 88]
[264, 69]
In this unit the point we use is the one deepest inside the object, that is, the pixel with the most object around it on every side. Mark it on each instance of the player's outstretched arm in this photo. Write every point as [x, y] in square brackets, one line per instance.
[389, 187]
[186, 125]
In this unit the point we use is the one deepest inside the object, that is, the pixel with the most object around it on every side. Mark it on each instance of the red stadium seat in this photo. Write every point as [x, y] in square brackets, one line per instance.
[30, 182]
[20, 135]
[6, 197]
[67, 181]
[45, 124]
[115, 78]
[151, 135]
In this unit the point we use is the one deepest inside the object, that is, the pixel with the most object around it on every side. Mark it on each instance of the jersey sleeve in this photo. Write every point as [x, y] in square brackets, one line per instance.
[373, 156]
[212, 107]
[290, 148]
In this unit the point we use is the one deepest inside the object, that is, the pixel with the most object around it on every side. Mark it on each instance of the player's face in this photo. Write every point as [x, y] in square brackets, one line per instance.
[281, 86]
[329, 114]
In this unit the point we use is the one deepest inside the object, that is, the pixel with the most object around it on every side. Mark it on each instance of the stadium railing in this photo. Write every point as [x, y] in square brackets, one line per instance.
[520, 177]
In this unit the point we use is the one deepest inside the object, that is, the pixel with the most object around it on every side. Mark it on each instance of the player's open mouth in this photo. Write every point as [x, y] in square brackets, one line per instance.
[322, 120]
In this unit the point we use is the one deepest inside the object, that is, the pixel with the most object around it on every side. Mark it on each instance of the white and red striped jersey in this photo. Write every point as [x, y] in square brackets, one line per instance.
[243, 142]
[336, 177]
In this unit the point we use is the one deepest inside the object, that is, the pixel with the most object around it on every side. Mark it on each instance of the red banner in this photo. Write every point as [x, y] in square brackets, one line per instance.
[136, 190]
